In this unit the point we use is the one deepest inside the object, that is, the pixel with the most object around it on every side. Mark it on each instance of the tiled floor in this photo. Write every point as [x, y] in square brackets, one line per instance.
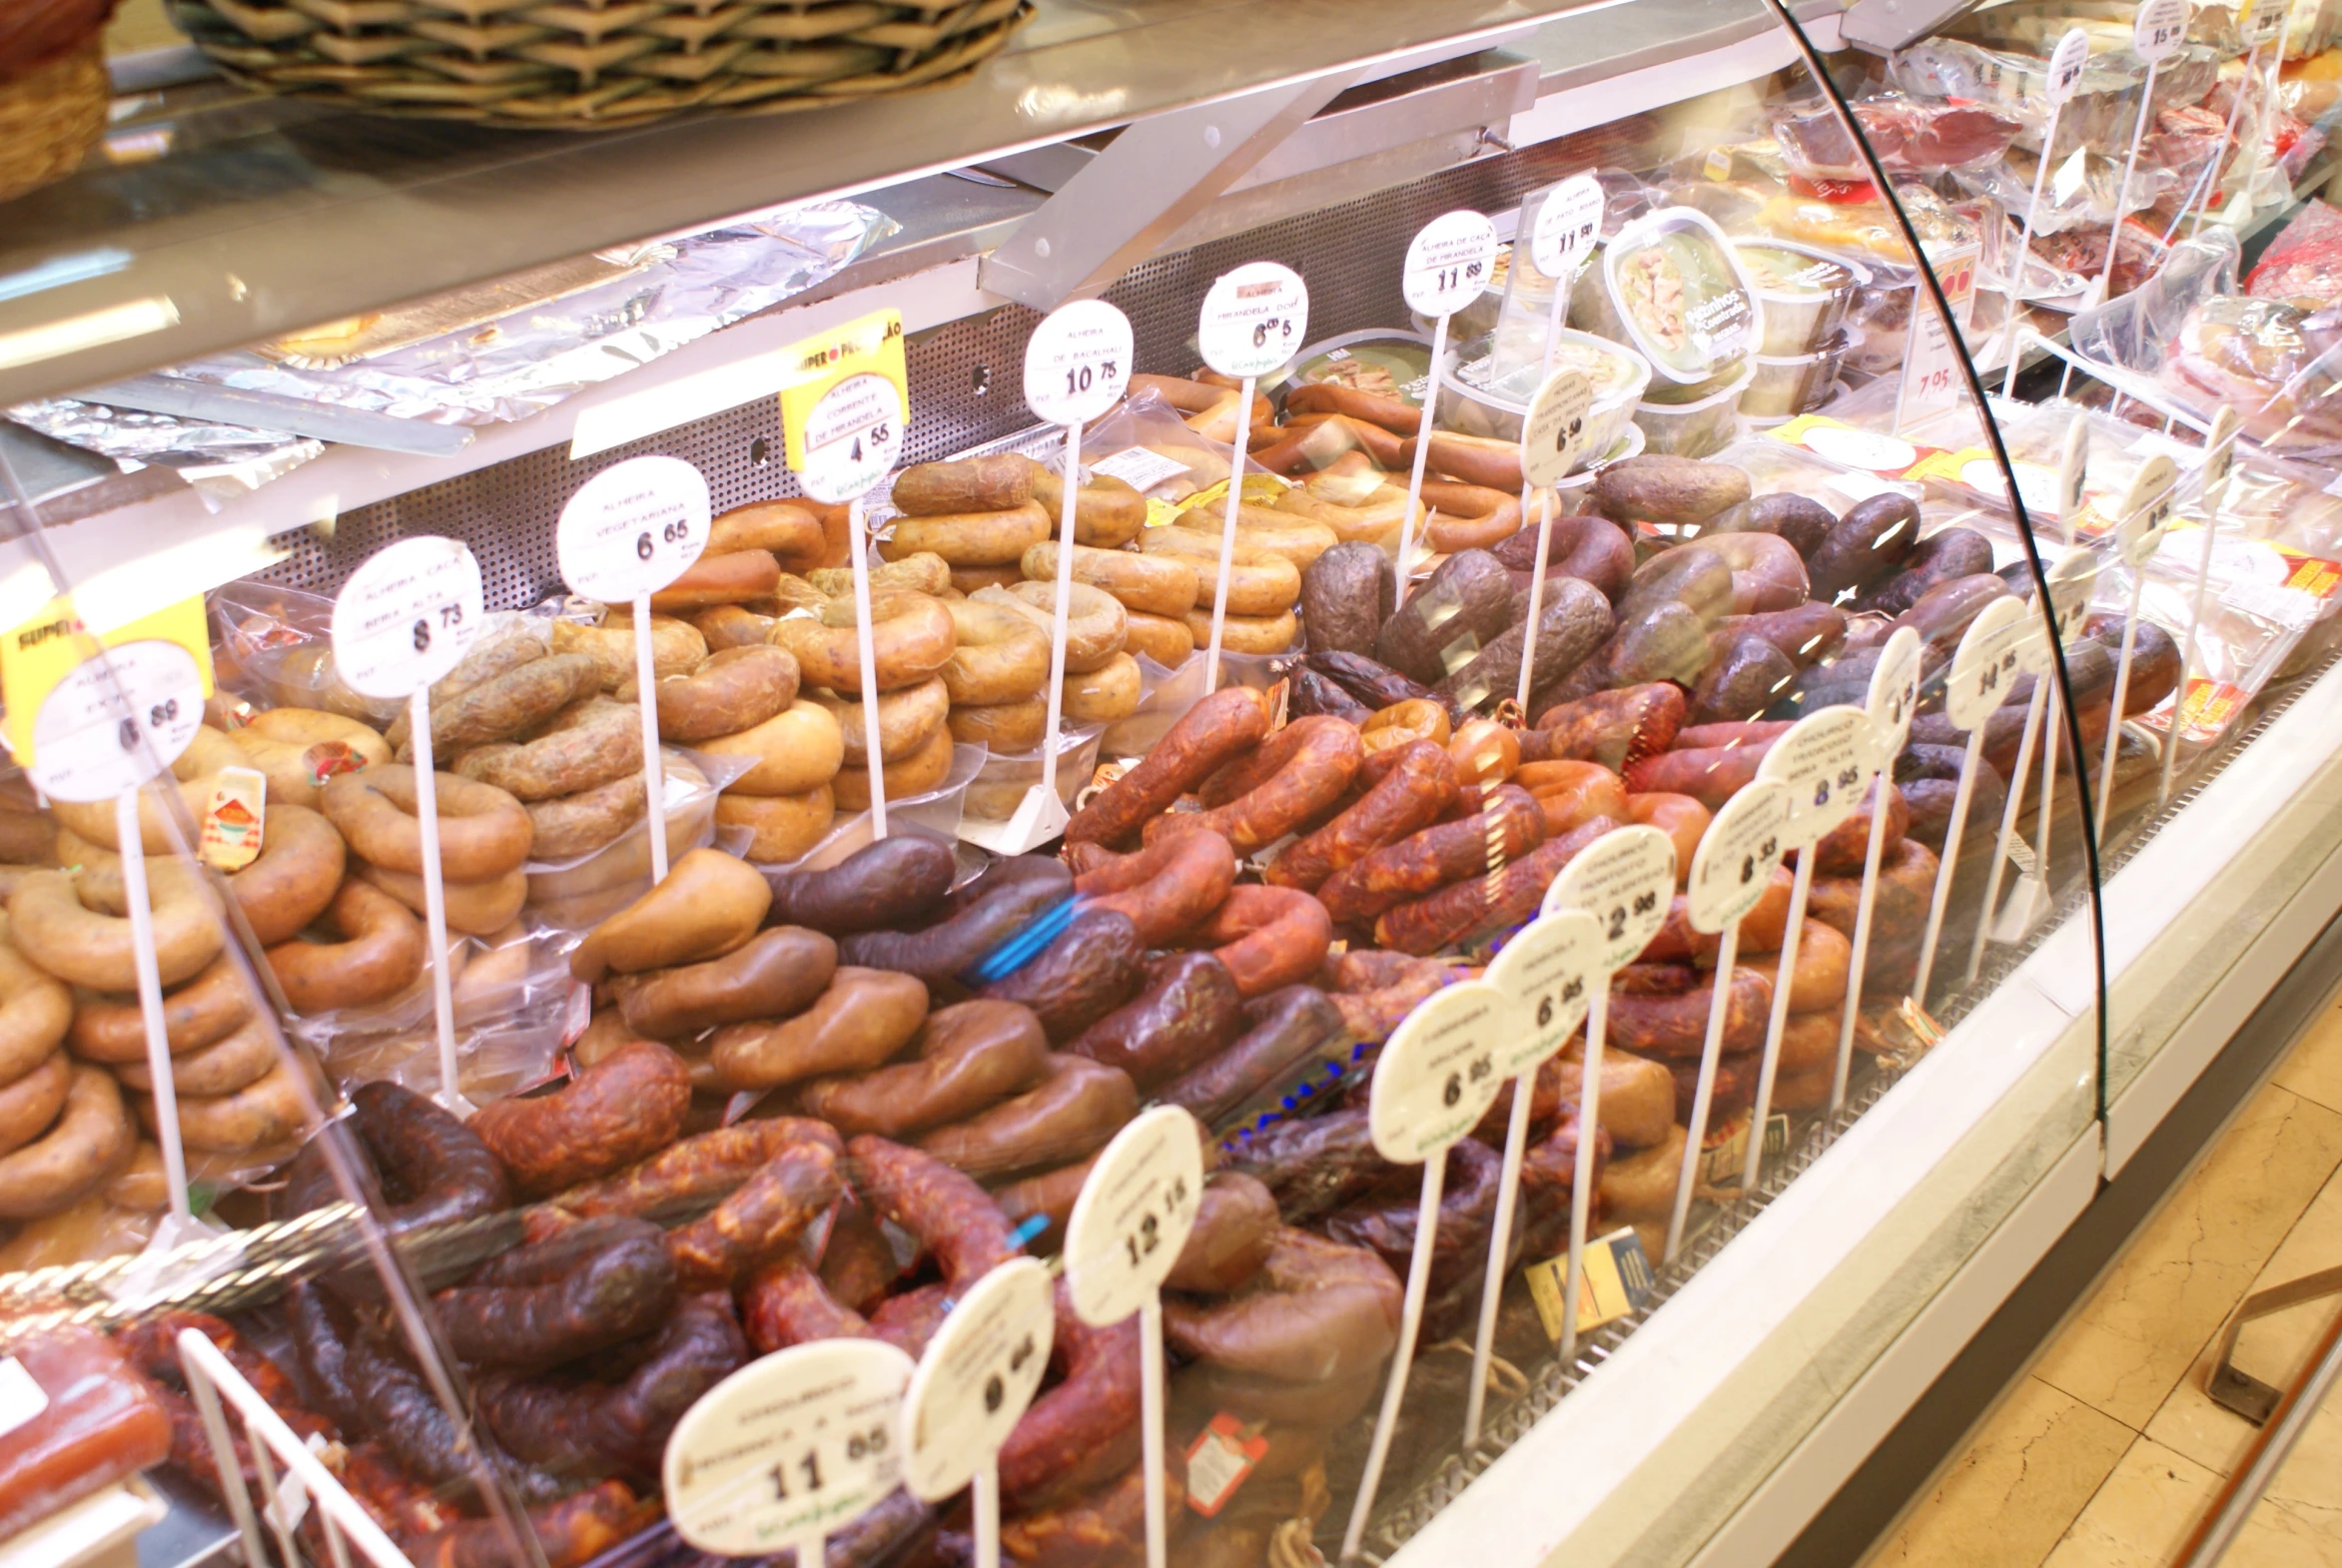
[2107, 1452]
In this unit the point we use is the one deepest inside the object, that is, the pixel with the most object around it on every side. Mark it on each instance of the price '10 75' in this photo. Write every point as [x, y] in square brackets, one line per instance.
[1144, 1240]
[449, 615]
[1079, 377]
[674, 533]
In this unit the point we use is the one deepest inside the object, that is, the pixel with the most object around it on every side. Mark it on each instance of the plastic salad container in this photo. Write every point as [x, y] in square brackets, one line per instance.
[1675, 291]
[1694, 429]
[1472, 404]
[1380, 361]
[1793, 383]
[1804, 294]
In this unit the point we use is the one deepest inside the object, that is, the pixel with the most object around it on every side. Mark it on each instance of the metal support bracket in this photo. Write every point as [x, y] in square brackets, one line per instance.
[2240, 1391]
[1880, 27]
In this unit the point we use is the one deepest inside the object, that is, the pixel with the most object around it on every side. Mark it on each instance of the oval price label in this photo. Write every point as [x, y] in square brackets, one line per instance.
[1893, 694]
[1077, 362]
[1133, 1215]
[1625, 879]
[1553, 436]
[1986, 665]
[2072, 470]
[1737, 854]
[2146, 509]
[1448, 263]
[1550, 971]
[119, 719]
[980, 1371]
[2158, 29]
[1827, 761]
[1437, 1076]
[852, 438]
[1566, 227]
[633, 529]
[1254, 318]
[2074, 579]
[789, 1449]
[407, 617]
[2220, 452]
[2067, 64]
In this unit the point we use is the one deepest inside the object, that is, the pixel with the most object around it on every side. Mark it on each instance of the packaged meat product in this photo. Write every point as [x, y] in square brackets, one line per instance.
[74, 1417]
[1909, 135]
[2304, 265]
[2272, 360]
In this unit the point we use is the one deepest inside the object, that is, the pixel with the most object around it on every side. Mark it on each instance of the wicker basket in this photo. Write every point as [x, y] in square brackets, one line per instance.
[51, 115]
[592, 65]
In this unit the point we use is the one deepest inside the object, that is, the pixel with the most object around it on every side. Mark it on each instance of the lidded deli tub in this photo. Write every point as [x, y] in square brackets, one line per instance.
[1804, 294]
[1473, 402]
[1675, 291]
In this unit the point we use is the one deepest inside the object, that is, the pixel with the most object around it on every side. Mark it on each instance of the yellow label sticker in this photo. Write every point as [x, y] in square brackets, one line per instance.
[37, 656]
[869, 346]
[1616, 1280]
[236, 821]
[1260, 489]
[1718, 166]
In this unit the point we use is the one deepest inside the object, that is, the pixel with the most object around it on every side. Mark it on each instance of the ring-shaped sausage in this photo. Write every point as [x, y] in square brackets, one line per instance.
[1468, 517]
[1105, 695]
[797, 749]
[483, 832]
[1260, 583]
[732, 626]
[29, 1102]
[35, 1012]
[513, 702]
[1394, 414]
[197, 772]
[1314, 440]
[298, 749]
[477, 909]
[911, 640]
[222, 1067]
[1155, 584]
[998, 655]
[1097, 625]
[1294, 776]
[1476, 459]
[586, 747]
[1166, 888]
[1356, 508]
[299, 869]
[969, 539]
[729, 577]
[923, 770]
[780, 827]
[989, 484]
[269, 1111]
[589, 820]
[208, 1007]
[675, 647]
[1007, 727]
[90, 1138]
[1243, 633]
[379, 955]
[1272, 530]
[1109, 514]
[908, 720]
[50, 923]
[733, 689]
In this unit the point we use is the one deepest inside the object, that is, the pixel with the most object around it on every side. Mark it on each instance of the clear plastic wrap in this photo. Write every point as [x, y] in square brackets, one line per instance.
[2302, 266]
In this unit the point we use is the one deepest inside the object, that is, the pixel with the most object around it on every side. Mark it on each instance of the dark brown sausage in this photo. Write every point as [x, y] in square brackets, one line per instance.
[1189, 1010]
[969, 1055]
[1292, 1030]
[584, 1289]
[942, 955]
[1092, 967]
[621, 1420]
[889, 883]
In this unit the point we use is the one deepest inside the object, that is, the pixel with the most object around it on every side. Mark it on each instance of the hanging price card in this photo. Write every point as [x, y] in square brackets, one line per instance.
[2147, 511]
[1553, 436]
[2261, 22]
[1827, 761]
[1737, 854]
[407, 617]
[1931, 385]
[1986, 666]
[2074, 579]
[1894, 689]
[1449, 263]
[116, 721]
[1253, 320]
[633, 529]
[50, 646]
[1077, 362]
[1566, 227]
[976, 1378]
[1438, 1073]
[1626, 880]
[2158, 29]
[1549, 970]
[845, 406]
[789, 1449]
[2072, 475]
[2067, 63]
[1134, 1214]
[2220, 452]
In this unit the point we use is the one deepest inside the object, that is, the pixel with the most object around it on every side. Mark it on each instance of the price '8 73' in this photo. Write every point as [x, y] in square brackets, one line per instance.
[674, 533]
[1477, 1069]
[449, 615]
[160, 714]
[1138, 1243]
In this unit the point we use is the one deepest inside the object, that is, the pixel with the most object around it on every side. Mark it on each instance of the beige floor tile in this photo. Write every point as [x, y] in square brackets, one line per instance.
[2272, 1348]
[2314, 1070]
[2140, 1514]
[2130, 1344]
[2299, 1522]
[2006, 1502]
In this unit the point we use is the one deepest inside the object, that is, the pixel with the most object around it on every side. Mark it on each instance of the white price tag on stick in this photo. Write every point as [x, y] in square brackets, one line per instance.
[1254, 320]
[1893, 693]
[1566, 227]
[1132, 1216]
[2073, 580]
[1827, 761]
[789, 1449]
[1448, 263]
[1626, 880]
[2158, 29]
[852, 438]
[407, 617]
[1986, 665]
[2067, 63]
[1738, 856]
[1437, 1075]
[122, 717]
[1553, 436]
[977, 1374]
[633, 529]
[1549, 970]
[2147, 511]
[1078, 362]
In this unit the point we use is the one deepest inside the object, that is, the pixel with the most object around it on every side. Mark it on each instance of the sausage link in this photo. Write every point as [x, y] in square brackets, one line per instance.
[780, 972]
[1165, 889]
[1076, 1108]
[1844, 849]
[1236, 1226]
[1420, 784]
[1759, 928]
[680, 1180]
[1090, 968]
[969, 1055]
[1093, 1411]
[891, 883]
[1711, 775]
[1511, 824]
[1302, 771]
[954, 1219]
[1676, 1026]
[1223, 726]
[1614, 728]
[1291, 1027]
[764, 1215]
[1189, 1010]
[1471, 905]
[597, 1283]
[943, 953]
[592, 1428]
[629, 1103]
[1268, 937]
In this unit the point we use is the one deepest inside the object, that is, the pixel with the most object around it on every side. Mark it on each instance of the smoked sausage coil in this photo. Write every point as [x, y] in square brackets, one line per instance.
[889, 884]
[398, 1407]
[1302, 771]
[1291, 1027]
[1223, 726]
[1268, 937]
[439, 1178]
[1614, 728]
[1165, 889]
[761, 1217]
[683, 1178]
[593, 1285]
[1187, 1011]
[955, 1219]
[1093, 1409]
[1677, 1025]
[1418, 785]
[1711, 775]
[1510, 825]
[1474, 905]
[628, 1104]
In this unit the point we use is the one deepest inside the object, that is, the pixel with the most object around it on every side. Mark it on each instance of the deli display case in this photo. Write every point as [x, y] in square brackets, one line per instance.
[1428, 779]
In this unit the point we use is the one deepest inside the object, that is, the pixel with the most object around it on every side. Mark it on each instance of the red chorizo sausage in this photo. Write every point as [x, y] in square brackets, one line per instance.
[1093, 1411]
[1711, 776]
[1416, 785]
[1511, 825]
[1223, 726]
[1475, 905]
[762, 1217]
[1165, 889]
[1731, 732]
[1268, 937]
[627, 1105]
[1308, 766]
[1677, 1025]
[1612, 728]
[1683, 819]
[684, 1177]
[1844, 847]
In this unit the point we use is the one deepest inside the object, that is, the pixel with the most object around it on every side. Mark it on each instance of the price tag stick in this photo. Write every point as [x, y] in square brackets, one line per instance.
[1704, 1091]
[1859, 962]
[1228, 531]
[1057, 635]
[2009, 814]
[1800, 889]
[1508, 1192]
[2025, 247]
[434, 887]
[1403, 1359]
[1536, 599]
[2220, 468]
[132, 838]
[2044, 811]
[1406, 527]
[858, 541]
[2138, 130]
[1582, 1177]
[1961, 794]
[1151, 1418]
[2113, 741]
[654, 771]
